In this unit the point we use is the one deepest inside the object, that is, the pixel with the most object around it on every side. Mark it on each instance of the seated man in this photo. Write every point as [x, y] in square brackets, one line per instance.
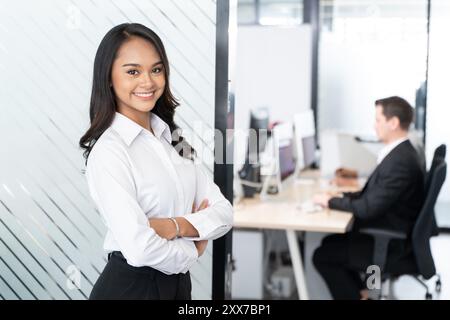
[391, 199]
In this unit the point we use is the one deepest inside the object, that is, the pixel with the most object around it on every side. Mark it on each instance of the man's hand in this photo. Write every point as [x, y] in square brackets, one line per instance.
[322, 199]
[346, 173]
[202, 244]
[345, 182]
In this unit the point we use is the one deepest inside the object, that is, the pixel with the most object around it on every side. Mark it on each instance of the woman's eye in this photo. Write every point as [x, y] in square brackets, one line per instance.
[157, 70]
[132, 72]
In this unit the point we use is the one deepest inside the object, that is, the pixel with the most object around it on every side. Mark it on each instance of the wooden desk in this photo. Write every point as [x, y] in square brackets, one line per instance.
[282, 212]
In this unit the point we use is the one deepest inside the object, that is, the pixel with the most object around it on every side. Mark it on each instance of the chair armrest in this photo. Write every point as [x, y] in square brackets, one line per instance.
[390, 234]
[382, 237]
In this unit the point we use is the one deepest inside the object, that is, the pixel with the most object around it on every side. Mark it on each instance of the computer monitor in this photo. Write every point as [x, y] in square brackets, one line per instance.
[282, 165]
[284, 149]
[250, 174]
[258, 131]
[309, 151]
[287, 161]
[305, 140]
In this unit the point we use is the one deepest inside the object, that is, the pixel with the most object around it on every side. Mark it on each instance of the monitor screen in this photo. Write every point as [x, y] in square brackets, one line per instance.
[287, 160]
[257, 138]
[309, 150]
[305, 142]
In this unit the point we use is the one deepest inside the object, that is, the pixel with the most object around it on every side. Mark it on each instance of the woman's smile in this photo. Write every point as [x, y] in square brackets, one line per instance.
[144, 95]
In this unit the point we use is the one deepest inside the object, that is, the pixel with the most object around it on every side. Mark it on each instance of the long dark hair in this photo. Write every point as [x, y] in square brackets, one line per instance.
[103, 101]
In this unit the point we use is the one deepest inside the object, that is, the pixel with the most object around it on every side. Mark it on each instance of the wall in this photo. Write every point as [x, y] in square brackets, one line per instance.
[438, 106]
[273, 69]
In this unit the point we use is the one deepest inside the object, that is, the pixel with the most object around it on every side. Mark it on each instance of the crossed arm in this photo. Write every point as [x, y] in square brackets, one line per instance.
[166, 228]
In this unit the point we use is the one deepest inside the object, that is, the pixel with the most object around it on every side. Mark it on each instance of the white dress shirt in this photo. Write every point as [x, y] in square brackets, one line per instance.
[134, 175]
[388, 148]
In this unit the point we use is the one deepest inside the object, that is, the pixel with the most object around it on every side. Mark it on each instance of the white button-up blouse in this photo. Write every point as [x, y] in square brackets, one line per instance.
[134, 175]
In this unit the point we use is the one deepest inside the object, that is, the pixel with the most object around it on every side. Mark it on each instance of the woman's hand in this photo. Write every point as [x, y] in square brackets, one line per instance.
[202, 244]
[164, 227]
[203, 205]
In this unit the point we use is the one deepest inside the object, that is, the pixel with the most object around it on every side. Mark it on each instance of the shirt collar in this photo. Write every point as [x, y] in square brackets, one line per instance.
[160, 128]
[129, 130]
[388, 148]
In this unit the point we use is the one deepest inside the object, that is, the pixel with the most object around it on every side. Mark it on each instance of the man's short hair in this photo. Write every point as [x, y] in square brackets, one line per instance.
[397, 107]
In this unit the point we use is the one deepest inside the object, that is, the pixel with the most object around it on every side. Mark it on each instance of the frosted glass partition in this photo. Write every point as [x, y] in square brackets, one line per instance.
[50, 232]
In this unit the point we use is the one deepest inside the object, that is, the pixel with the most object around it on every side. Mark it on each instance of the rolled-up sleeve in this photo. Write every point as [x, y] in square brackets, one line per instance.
[112, 186]
[216, 220]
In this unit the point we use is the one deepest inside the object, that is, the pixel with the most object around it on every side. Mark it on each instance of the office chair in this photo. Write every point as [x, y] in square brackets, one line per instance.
[421, 263]
[439, 155]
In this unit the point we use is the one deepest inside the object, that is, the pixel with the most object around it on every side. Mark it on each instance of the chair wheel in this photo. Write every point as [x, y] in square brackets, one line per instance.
[428, 296]
[438, 286]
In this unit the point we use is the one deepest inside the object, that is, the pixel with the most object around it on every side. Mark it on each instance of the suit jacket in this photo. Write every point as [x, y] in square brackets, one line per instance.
[393, 195]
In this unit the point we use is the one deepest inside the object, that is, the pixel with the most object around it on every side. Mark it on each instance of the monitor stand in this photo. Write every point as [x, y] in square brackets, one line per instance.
[273, 184]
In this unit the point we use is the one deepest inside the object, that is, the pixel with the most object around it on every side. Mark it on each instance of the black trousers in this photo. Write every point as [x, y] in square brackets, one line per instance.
[341, 260]
[120, 281]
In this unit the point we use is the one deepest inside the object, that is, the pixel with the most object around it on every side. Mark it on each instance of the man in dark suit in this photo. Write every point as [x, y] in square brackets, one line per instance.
[391, 199]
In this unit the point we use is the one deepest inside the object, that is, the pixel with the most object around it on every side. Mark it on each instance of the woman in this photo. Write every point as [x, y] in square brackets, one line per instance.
[145, 189]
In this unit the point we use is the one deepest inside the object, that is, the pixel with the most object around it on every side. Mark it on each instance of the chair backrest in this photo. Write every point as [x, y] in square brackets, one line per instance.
[440, 151]
[439, 154]
[423, 227]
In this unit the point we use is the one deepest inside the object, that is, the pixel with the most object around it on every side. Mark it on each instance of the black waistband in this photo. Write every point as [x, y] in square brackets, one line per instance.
[147, 270]
[117, 254]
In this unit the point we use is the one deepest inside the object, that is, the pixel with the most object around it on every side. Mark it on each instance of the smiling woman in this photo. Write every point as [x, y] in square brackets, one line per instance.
[145, 186]
[138, 79]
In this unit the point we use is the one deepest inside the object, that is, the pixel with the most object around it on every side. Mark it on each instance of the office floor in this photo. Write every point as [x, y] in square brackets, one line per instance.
[407, 288]
[443, 214]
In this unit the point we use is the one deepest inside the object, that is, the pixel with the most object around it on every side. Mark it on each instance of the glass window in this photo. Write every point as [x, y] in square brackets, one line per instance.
[281, 12]
[270, 12]
[247, 12]
[368, 49]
